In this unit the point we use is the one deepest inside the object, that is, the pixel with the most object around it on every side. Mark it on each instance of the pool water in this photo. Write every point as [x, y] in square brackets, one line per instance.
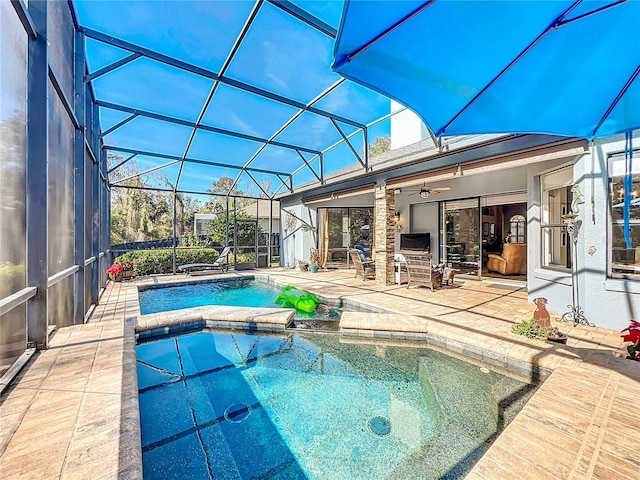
[237, 293]
[242, 406]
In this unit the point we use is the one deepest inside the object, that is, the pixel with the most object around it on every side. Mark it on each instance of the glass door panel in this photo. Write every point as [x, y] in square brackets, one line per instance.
[338, 237]
[341, 229]
[460, 242]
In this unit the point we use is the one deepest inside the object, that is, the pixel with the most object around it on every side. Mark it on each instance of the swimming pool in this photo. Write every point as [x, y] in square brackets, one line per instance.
[246, 292]
[241, 406]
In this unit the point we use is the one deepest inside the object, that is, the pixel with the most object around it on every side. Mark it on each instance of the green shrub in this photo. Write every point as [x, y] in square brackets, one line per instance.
[530, 329]
[12, 278]
[147, 262]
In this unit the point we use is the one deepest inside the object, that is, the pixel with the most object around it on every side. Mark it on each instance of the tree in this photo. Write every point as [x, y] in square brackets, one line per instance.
[219, 189]
[259, 192]
[380, 145]
[138, 214]
[246, 230]
[191, 206]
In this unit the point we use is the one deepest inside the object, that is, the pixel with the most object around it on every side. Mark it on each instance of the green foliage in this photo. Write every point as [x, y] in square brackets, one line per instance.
[12, 278]
[219, 189]
[246, 230]
[192, 240]
[380, 145]
[147, 262]
[140, 215]
[530, 329]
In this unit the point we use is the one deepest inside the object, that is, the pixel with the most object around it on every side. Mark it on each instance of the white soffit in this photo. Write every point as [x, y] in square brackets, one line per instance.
[492, 164]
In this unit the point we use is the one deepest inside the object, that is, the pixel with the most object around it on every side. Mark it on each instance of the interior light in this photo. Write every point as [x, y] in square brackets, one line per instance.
[458, 172]
[424, 194]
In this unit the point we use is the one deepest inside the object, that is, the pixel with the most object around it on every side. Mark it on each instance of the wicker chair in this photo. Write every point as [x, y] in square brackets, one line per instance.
[421, 272]
[366, 269]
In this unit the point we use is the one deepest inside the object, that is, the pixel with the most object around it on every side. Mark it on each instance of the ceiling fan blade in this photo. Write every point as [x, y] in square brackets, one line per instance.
[440, 189]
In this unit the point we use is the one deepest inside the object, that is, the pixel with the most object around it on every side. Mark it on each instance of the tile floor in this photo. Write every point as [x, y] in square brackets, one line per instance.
[74, 411]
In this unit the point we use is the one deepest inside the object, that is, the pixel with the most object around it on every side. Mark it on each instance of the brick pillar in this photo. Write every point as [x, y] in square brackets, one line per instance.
[385, 206]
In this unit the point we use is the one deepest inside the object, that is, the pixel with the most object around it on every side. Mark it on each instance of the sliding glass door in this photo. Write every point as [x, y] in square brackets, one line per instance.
[341, 229]
[460, 235]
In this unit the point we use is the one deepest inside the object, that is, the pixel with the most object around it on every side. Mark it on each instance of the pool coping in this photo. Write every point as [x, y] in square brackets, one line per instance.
[426, 328]
[591, 443]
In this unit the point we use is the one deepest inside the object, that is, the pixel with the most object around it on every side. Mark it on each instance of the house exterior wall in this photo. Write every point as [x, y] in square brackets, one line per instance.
[296, 243]
[606, 302]
[263, 223]
[406, 128]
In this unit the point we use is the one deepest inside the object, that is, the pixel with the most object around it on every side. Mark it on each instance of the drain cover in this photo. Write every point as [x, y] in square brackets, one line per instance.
[379, 426]
[237, 412]
[485, 370]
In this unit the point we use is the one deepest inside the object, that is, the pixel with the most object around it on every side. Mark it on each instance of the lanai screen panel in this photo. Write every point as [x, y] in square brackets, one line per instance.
[13, 159]
[227, 83]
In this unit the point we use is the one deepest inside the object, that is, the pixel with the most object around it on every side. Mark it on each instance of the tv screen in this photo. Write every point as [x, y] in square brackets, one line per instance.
[415, 241]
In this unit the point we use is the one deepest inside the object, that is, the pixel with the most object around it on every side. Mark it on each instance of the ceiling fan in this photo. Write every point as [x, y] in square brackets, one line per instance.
[426, 191]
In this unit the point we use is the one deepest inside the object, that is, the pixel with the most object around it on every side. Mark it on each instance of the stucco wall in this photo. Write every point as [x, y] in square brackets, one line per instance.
[607, 302]
[296, 243]
[406, 128]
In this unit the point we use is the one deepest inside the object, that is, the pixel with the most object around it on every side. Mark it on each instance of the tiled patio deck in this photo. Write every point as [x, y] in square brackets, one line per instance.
[74, 413]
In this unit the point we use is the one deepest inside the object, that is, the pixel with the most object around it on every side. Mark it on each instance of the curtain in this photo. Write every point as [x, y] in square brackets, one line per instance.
[323, 235]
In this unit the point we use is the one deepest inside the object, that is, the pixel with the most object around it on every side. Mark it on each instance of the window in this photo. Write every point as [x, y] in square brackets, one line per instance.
[624, 260]
[518, 227]
[556, 201]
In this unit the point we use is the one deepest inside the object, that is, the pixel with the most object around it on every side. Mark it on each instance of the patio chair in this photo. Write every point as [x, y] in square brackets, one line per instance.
[220, 263]
[420, 270]
[364, 268]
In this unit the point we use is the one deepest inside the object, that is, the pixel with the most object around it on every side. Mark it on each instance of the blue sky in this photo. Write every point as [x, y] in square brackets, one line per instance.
[279, 54]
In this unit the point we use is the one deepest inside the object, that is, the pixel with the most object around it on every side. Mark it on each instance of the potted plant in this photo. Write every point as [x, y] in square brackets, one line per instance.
[314, 259]
[632, 335]
[115, 272]
[302, 266]
[127, 267]
[555, 335]
[531, 329]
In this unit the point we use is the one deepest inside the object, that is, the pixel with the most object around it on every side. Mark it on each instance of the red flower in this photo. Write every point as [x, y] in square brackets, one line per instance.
[115, 269]
[633, 332]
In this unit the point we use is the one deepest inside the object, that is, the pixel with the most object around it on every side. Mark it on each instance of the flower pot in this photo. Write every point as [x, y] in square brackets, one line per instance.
[562, 338]
[117, 277]
[127, 274]
[313, 268]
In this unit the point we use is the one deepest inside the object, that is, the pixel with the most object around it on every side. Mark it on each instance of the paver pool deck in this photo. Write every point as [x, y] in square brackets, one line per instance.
[73, 413]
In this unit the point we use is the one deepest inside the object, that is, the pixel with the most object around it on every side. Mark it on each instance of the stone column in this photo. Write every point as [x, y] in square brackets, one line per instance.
[385, 205]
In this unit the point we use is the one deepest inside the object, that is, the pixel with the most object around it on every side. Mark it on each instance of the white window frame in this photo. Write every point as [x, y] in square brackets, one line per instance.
[616, 169]
[554, 233]
[518, 228]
